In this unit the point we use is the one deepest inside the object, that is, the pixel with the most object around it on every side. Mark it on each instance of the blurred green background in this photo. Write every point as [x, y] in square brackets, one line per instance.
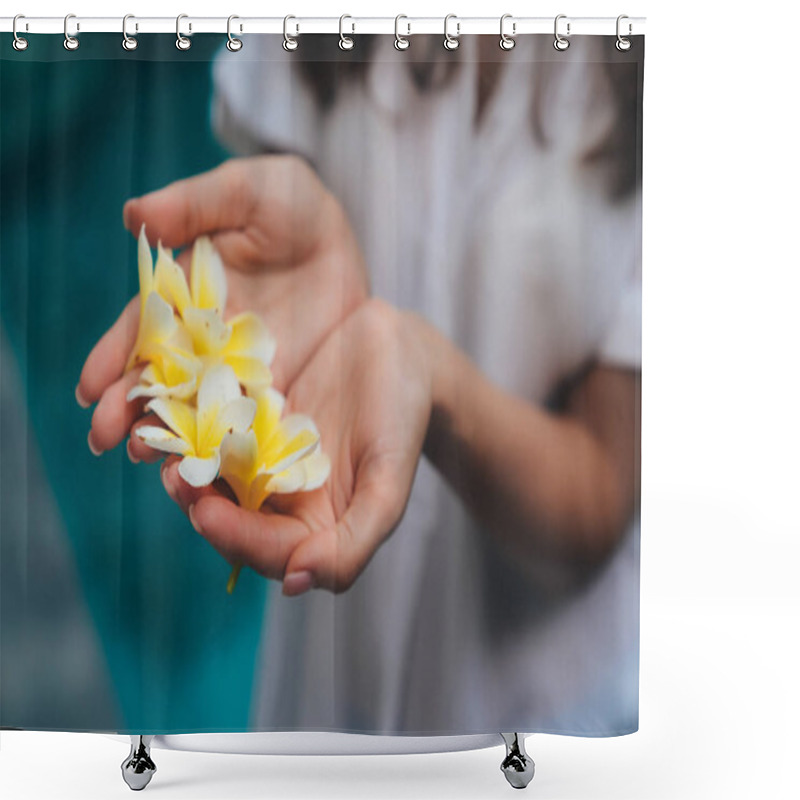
[86, 539]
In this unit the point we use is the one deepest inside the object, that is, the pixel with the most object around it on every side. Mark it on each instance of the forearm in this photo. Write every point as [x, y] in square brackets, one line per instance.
[541, 483]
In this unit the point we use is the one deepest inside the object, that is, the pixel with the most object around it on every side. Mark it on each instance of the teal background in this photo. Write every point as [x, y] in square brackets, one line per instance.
[80, 133]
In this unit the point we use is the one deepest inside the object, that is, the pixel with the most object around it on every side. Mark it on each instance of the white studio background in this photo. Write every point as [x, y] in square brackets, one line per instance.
[720, 546]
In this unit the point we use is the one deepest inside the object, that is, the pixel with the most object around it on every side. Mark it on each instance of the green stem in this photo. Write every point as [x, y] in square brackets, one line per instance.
[234, 577]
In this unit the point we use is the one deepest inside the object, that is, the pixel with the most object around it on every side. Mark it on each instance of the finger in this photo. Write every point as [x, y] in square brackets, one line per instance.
[183, 493]
[335, 558]
[261, 540]
[106, 363]
[180, 212]
[114, 415]
[137, 449]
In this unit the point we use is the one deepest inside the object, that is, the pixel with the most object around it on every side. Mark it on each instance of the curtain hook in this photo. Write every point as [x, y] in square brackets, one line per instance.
[507, 42]
[70, 42]
[450, 41]
[182, 42]
[401, 42]
[560, 42]
[233, 44]
[346, 42]
[623, 44]
[19, 43]
[289, 42]
[128, 42]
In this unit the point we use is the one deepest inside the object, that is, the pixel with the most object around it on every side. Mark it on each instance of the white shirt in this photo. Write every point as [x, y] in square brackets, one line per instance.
[513, 251]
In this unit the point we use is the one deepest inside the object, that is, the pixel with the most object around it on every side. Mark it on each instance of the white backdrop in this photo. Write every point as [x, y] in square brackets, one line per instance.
[720, 544]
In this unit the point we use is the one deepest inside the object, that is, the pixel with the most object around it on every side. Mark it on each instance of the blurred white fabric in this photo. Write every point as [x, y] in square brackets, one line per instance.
[514, 253]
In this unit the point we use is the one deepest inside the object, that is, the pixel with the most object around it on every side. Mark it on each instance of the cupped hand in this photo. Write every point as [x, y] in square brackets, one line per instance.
[290, 256]
[368, 388]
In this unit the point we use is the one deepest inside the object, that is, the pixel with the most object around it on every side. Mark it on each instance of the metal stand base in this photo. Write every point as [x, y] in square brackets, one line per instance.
[138, 768]
[517, 766]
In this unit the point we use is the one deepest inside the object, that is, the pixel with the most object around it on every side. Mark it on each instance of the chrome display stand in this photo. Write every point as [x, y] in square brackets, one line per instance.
[518, 767]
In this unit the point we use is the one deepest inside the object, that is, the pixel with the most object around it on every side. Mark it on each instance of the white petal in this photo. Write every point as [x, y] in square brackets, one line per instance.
[238, 414]
[145, 267]
[208, 332]
[182, 391]
[296, 423]
[199, 471]
[304, 475]
[217, 388]
[162, 439]
[209, 287]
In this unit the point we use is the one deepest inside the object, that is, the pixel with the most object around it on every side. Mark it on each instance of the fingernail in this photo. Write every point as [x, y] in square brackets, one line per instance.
[131, 456]
[167, 480]
[92, 447]
[79, 397]
[126, 215]
[192, 519]
[297, 583]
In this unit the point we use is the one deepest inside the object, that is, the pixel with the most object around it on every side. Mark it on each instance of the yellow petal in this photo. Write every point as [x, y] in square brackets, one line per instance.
[170, 281]
[209, 286]
[250, 337]
[179, 416]
[209, 333]
[237, 416]
[269, 407]
[251, 373]
[238, 453]
[157, 324]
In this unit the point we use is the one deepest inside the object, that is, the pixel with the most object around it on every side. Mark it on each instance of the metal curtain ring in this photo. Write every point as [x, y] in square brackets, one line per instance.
[128, 42]
[401, 42]
[70, 42]
[346, 42]
[507, 42]
[450, 41]
[623, 44]
[233, 44]
[182, 42]
[289, 42]
[560, 42]
[19, 43]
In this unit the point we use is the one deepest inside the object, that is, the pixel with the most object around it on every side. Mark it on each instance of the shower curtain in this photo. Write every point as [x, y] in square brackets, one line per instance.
[320, 385]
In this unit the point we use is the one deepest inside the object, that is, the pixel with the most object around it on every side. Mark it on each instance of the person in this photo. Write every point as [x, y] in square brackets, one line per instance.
[458, 306]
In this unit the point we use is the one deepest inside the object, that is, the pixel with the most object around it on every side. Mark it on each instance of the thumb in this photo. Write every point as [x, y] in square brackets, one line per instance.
[335, 558]
[180, 212]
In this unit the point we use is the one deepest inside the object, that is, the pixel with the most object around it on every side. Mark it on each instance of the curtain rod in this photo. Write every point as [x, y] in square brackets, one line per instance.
[597, 26]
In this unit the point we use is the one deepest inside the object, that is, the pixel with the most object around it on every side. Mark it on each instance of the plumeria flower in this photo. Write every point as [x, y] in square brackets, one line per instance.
[196, 433]
[275, 456]
[172, 372]
[157, 290]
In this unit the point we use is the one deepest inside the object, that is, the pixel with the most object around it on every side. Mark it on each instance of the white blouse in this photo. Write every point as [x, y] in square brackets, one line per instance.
[513, 251]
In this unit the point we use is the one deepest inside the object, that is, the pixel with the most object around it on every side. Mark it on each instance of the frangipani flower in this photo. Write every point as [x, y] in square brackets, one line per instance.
[172, 372]
[275, 455]
[157, 289]
[196, 433]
